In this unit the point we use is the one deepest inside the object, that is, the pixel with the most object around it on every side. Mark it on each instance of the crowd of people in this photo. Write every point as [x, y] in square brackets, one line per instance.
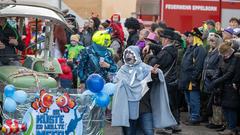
[199, 67]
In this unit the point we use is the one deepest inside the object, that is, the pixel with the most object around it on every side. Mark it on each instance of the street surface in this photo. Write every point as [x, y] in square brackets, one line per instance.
[186, 130]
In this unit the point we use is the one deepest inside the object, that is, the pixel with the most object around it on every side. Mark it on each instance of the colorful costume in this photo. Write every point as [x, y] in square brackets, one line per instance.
[131, 82]
[73, 49]
[90, 57]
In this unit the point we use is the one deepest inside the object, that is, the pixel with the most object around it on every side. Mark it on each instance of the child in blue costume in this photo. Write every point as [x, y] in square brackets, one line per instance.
[97, 58]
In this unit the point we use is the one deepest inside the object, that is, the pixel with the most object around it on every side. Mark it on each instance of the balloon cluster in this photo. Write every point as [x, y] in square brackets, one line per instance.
[12, 98]
[95, 84]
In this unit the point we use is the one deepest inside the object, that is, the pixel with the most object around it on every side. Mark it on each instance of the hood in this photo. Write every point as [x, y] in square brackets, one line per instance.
[102, 38]
[133, 53]
[100, 50]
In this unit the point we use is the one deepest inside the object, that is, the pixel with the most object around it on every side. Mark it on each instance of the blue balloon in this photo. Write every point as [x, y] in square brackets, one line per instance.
[102, 99]
[109, 88]
[9, 90]
[20, 96]
[95, 83]
[9, 105]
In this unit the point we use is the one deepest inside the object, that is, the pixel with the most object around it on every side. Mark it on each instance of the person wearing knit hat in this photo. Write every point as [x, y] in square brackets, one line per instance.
[72, 52]
[224, 81]
[236, 32]
[227, 34]
[73, 49]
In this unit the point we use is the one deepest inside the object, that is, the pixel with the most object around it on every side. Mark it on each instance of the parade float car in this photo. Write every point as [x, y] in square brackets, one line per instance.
[35, 71]
[46, 109]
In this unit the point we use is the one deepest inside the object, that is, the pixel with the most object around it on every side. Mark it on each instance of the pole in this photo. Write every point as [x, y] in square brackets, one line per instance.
[60, 4]
[220, 11]
[36, 37]
[162, 9]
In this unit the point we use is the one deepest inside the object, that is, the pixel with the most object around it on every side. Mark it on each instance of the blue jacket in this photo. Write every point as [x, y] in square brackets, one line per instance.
[88, 62]
[191, 67]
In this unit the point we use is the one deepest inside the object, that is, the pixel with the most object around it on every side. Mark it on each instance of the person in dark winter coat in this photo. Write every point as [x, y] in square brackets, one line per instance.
[223, 80]
[10, 41]
[132, 26]
[211, 100]
[166, 58]
[211, 60]
[167, 61]
[90, 27]
[190, 74]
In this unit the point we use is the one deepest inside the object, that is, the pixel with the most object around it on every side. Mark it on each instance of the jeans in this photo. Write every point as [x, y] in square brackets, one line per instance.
[231, 118]
[193, 101]
[146, 122]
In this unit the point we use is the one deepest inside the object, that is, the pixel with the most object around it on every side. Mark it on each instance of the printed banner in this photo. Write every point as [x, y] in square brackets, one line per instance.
[56, 118]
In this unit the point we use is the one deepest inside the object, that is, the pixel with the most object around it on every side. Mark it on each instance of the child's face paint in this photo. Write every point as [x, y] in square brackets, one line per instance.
[129, 57]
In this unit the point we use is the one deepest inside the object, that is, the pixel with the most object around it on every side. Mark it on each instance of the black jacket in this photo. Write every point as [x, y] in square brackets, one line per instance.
[166, 59]
[191, 67]
[223, 80]
[210, 67]
[133, 38]
[86, 37]
[236, 79]
[10, 50]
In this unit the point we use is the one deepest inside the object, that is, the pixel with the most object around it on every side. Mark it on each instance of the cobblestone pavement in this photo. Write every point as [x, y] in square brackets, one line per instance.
[186, 130]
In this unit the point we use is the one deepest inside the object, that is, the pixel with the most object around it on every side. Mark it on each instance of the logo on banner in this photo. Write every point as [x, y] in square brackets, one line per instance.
[51, 115]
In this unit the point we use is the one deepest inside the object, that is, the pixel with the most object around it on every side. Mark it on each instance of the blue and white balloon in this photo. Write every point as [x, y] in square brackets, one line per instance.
[9, 105]
[109, 88]
[102, 99]
[95, 83]
[9, 90]
[20, 96]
